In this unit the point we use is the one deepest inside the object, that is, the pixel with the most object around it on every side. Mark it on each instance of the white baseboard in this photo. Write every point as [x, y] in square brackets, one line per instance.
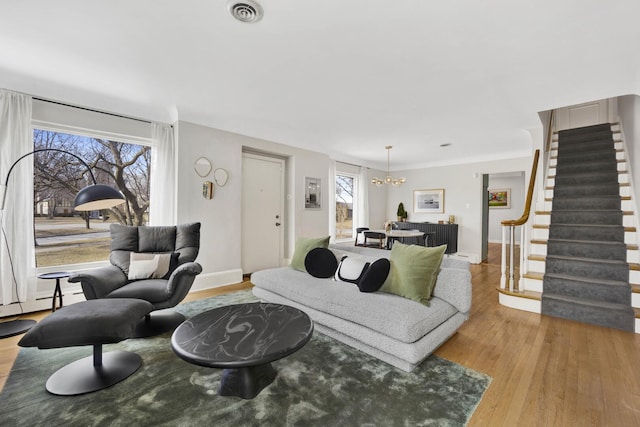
[40, 304]
[217, 279]
[472, 258]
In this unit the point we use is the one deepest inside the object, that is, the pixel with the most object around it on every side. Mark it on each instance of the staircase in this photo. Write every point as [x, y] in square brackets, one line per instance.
[587, 274]
[583, 261]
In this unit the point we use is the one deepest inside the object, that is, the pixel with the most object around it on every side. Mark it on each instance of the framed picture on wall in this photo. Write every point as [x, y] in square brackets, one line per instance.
[312, 195]
[500, 198]
[428, 201]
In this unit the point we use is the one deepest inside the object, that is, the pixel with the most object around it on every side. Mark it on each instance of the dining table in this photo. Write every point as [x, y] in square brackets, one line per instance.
[403, 236]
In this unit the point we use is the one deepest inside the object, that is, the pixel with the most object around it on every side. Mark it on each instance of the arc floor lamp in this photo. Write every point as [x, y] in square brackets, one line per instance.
[93, 197]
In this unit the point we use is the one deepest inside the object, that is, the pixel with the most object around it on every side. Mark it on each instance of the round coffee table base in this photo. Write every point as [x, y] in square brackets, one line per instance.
[246, 382]
[82, 376]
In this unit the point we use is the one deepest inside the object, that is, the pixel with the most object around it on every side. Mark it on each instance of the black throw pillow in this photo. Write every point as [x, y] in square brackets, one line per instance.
[374, 276]
[321, 262]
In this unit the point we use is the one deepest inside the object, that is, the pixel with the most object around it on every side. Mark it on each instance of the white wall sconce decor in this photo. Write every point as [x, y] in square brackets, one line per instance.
[202, 166]
[220, 176]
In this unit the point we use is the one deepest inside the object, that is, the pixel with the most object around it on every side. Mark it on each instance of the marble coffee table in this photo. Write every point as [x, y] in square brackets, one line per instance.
[243, 340]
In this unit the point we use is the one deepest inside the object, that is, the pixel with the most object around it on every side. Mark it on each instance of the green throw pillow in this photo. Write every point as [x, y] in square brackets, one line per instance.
[414, 270]
[303, 246]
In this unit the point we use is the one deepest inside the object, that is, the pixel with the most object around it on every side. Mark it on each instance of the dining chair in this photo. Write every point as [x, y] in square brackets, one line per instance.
[359, 231]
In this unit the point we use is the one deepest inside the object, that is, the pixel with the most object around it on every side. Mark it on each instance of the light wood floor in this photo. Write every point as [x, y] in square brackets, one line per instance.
[546, 371]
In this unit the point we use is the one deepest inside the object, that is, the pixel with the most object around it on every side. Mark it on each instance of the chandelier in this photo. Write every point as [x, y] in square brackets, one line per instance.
[388, 179]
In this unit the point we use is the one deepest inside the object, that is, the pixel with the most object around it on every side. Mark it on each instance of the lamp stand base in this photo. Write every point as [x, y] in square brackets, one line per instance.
[15, 327]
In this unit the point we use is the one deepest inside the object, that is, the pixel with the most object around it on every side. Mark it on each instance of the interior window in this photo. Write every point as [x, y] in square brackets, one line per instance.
[63, 235]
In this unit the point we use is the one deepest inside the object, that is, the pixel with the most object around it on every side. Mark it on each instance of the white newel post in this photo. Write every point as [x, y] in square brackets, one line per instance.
[503, 261]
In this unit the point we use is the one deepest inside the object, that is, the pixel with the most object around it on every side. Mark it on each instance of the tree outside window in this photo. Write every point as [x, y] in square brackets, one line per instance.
[64, 236]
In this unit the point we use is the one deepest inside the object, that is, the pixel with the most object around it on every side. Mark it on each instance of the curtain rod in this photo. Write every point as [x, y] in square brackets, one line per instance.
[349, 164]
[92, 110]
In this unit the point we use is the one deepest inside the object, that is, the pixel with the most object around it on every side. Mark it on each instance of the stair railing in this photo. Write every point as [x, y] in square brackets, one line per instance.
[509, 229]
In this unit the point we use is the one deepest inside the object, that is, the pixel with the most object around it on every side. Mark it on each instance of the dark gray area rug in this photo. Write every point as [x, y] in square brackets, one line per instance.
[326, 383]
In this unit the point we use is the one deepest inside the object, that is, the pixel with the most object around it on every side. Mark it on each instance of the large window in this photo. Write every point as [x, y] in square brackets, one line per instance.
[64, 236]
[345, 198]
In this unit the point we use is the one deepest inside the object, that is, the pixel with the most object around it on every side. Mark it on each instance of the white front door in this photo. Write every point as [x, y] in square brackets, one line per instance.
[262, 207]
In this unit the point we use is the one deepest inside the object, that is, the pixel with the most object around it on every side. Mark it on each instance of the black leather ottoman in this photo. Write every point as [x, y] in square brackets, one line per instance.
[94, 322]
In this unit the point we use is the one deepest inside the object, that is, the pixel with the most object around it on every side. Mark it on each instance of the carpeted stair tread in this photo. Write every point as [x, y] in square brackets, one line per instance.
[588, 249]
[585, 131]
[586, 232]
[586, 177]
[587, 259]
[585, 156]
[611, 217]
[594, 144]
[589, 189]
[607, 282]
[602, 202]
[592, 165]
[601, 313]
[612, 291]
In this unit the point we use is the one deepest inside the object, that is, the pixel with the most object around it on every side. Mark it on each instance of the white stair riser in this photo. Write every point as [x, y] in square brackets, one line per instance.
[536, 265]
[526, 304]
[635, 300]
[634, 276]
[540, 234]
[533, 284]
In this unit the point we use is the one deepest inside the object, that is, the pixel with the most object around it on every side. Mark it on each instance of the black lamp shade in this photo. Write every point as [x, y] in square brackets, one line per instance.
[96, 197]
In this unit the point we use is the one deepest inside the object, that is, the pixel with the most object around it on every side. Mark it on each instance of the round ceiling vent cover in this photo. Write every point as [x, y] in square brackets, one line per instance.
[245, 11]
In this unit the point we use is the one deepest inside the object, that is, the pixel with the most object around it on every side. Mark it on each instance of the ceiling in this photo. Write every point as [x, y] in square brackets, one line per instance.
[344, 77]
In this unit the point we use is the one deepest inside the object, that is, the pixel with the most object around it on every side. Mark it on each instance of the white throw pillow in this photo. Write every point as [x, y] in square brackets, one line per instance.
[351, 269]
[148, 265]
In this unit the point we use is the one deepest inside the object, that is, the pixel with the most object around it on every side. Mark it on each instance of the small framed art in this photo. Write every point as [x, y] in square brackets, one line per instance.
[312, 194]
[499, 198]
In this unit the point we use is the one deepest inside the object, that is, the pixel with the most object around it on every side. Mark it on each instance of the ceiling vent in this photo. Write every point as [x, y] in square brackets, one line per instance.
[245, 11]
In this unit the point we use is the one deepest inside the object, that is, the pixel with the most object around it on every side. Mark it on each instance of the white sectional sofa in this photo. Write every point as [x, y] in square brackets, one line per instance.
[396, 330]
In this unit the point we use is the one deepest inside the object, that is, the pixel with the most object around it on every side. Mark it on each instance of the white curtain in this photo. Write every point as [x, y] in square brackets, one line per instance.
[17, 265]
[363, 199]
[331, 191]
[163, 176]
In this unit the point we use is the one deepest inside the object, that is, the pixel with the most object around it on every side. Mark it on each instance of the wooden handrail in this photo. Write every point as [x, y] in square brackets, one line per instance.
[527, 206]
[550, 131]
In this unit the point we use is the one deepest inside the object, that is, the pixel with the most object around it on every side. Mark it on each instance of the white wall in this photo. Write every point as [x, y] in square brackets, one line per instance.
[515, 182]
[462, 186]
[377, 200]
[220, 249]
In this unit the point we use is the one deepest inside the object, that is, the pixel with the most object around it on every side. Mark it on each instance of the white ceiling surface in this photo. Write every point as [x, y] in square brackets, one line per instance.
[344, 77]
